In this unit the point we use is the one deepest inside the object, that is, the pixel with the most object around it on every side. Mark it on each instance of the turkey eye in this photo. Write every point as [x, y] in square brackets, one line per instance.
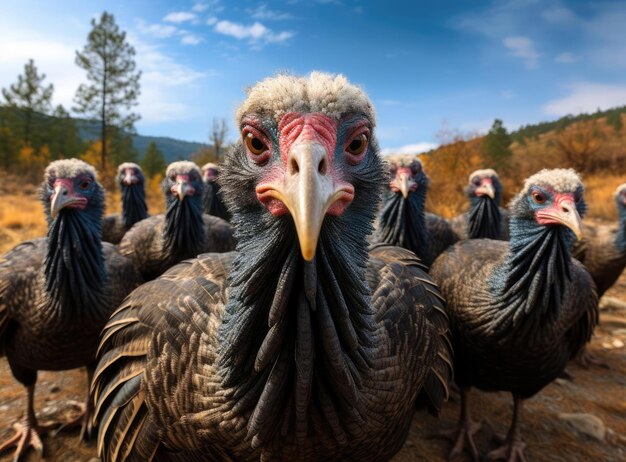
[84, 184]
[255, 145]
[539, 198]
[358, 145]
[477, 182]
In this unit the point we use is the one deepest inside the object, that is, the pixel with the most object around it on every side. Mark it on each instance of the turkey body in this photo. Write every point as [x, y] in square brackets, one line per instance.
[38, 335]
[145, 245]
[603, 248]
[491, 352]
[179, 359]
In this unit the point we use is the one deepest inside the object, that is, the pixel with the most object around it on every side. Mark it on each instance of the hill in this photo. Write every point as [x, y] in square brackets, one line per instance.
[45, 128]
[593, 144]
[172, 149]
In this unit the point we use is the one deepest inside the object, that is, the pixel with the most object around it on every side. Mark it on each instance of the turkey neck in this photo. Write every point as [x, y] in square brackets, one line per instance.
[74, 268]
[212, 202]
[297, 336]
[620, 238]
[484, 219]
[297, 339]
[528, 288]
[403, 223]
[183, 232]
[134, 207]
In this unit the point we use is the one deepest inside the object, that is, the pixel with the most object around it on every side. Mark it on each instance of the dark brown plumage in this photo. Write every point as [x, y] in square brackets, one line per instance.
[57, 293]
[159, 242]
[519, 310]
[485, 219]
[302, 344]
[402, 220]
[603, 247]
[134, 209]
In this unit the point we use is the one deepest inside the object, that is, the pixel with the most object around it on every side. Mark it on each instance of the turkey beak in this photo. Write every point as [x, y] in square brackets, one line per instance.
[566, 214]
[63, 196]
[486, 189]
[308, 191]
[403, 184]
[130, 178]
[182, 187]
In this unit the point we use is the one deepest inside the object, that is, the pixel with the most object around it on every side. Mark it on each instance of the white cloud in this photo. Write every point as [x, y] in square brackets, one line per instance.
[199, 7]
[156, 30]
[264, 13]
[587, 97]
[211, 21]
[53, 58]
[190, 39]
[179, 17]
[415, 148]
[567, 58]
[255, 33]
[522, 47]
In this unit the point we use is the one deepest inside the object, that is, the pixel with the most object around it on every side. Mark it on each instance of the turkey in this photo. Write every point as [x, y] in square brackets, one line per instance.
[159, 242]
[603, 252]
[519, 310]
[485, 219]
[212, 200]
[301, 344]
[603, 249]
[56, 293]
[131, 181]
[402, 220]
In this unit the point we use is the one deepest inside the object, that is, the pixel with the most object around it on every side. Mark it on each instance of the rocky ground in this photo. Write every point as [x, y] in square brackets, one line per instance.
[596, 398]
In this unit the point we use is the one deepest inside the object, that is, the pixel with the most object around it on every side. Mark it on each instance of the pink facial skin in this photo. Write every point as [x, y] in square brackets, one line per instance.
[400, 172]
[294, 129]
[129, 176]
[480, 191]
[561, 202]
[78, 202]
[210, 174]
[189, 190]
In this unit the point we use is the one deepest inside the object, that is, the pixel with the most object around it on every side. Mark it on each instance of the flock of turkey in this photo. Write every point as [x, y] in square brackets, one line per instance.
[290, 315]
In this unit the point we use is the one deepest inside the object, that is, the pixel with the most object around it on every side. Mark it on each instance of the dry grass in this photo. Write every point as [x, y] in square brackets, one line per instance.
[599, 190]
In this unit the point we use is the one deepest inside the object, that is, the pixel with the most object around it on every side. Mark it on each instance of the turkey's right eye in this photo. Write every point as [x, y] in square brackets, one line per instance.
[476, 182]
[255, 145]
[538, 197]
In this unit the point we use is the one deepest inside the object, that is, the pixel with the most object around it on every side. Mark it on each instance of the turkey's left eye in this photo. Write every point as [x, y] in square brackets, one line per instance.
[255, 145]
[357, 145]
[84, 184]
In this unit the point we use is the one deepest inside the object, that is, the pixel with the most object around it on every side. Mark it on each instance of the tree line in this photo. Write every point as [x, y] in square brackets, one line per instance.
[32, 132]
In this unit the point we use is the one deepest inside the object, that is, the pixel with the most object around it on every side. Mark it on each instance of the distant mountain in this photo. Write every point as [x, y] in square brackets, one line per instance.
[172, 149]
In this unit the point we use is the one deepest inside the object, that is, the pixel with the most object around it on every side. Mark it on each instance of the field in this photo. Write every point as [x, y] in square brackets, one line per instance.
[597, 391]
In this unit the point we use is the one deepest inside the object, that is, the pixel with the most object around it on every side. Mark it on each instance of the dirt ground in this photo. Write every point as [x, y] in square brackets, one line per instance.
[597, 391]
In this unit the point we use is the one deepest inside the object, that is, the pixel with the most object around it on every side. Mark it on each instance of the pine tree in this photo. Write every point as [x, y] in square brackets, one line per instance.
[497, 146]
[153, 161]
[114, 81]
[26, 97]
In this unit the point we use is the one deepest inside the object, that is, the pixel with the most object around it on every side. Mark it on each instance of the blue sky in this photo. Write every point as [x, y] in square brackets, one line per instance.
[427, 66]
